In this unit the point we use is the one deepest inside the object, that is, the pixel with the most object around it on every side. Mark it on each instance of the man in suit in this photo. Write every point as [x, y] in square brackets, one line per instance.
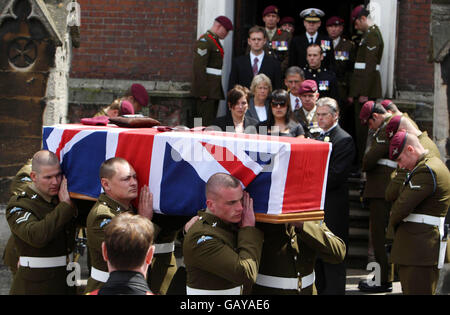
[208, 62]
[312, 23]
[418, 216]
[306, 115]
[330, 279]
[293, 81]
[245, 68]
[325, 78]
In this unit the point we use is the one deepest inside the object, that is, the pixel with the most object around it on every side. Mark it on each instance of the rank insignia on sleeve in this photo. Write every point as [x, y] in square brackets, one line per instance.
[25, 217]
[414, 187]
[204, 239]
[371, 48]
[202, 52]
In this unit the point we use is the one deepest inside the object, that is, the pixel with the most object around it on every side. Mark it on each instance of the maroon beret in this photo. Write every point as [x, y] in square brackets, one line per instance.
[366, 112]
[287, 20]
[140, 94]
[95, 121]
[356, 12]
[397, 145]
[226, 22]
[392, 126]
[271, 9]
[308, 86]
[126, 108]
[386, 103]
[335, 20]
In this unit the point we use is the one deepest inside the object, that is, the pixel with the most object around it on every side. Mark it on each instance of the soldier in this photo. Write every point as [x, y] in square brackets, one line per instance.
[401, 123]
[208, 62]
[393, 109]
[223, 249]
[119, 107]
[378, 167]
[118, 179]
[344, 55]
[278, 40]
[366, 79]
[306, 115]
[287, 24]
[325, 79]
[42, 222]
[418, 216]
[312, 22]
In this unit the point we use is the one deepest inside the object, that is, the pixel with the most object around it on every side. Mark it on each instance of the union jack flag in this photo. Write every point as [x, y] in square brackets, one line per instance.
[282, 175]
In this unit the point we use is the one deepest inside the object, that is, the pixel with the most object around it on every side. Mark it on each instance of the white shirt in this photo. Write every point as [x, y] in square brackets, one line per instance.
[262, 113]
[309, 115]
[313, 36]
[336, 42]
[294, 102]
[260, 59]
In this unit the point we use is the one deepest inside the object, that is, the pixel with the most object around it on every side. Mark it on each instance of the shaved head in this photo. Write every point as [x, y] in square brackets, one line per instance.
[218, 181]
[43, 158]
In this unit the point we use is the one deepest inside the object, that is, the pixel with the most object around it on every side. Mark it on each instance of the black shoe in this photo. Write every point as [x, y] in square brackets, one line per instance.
[364, 286]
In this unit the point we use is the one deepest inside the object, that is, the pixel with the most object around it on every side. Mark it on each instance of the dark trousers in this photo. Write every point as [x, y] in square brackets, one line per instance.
[330, 278]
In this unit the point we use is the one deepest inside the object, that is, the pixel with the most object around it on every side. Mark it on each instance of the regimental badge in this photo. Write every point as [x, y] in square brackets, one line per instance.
[324, 85]
[104, 223]
[204, 239]
[326, 45]
[341, 55]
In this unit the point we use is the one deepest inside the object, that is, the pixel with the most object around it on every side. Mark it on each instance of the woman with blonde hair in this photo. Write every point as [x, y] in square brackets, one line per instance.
[259, 104]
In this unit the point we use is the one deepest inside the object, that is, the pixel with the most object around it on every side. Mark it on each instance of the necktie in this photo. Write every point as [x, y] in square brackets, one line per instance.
[311, 40]
[255, 66]
[297, 104]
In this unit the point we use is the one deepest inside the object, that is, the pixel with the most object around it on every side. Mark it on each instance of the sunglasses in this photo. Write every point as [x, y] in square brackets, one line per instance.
[278, 104]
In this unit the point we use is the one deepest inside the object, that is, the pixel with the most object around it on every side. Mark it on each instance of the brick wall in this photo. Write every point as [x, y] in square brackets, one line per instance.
[147, 40]
[414, 72]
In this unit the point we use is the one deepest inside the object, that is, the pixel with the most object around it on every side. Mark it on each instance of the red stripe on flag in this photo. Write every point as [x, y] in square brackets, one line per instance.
[65, 138]
[231, 163]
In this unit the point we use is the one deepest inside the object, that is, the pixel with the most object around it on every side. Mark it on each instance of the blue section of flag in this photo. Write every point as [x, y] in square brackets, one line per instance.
[259, 188]
[82, 163]
[45, 134]
[182, 190]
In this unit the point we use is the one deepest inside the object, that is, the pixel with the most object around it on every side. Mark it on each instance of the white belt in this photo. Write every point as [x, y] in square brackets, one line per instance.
[45, 262]
[285, 283]
[99, 275]
[233, 291]
[362, 66]
[213, 71]
[387, 163]
[165, 248]
[434, 221]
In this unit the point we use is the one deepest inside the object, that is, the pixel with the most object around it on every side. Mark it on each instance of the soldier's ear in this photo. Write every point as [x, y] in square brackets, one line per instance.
[33, 176]
[104, 252]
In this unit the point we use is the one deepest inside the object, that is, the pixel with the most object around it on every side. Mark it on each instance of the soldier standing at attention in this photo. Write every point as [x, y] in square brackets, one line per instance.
[208, 63]
[222, 250]
[418, 216]
[42, 222]
[378, 168]
[278, 40]
[118, 179]
[344, 58]
[366, 79]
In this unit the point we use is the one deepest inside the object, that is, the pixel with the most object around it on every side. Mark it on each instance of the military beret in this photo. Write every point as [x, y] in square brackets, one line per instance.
[140, 94]
[308, 86]
[366, 112]
[226, 22]
[271, 9]
[287, 20]
[386, 103]
[95, 121]
[392, 126]
[335, 20]
[312, 15]
[358, 12]
[126, 108]
[397, 145]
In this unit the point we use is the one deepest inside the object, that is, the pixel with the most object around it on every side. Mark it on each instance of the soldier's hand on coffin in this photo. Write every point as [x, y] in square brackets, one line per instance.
[298, 226]
[248, 215]
[191, 222]
[145, 206]
[63, 193]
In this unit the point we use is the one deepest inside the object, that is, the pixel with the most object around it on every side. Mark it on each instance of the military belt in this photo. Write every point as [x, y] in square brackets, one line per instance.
[165, 248]
[99, 275]
[362, 66]
[387, 163]
[434, 221]
[214, 71]
[284, 283]
[45, 262]
[232, 291]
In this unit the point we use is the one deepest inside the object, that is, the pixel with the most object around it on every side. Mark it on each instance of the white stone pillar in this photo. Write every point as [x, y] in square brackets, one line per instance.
[440, 115]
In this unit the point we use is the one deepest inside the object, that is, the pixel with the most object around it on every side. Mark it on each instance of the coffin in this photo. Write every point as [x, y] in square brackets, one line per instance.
[286, 177]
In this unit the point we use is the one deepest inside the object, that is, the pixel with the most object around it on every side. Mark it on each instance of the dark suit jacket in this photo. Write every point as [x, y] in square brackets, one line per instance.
[336, 199]
[252, 111]
[242, 71]
[297, 51]
[225, 121]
